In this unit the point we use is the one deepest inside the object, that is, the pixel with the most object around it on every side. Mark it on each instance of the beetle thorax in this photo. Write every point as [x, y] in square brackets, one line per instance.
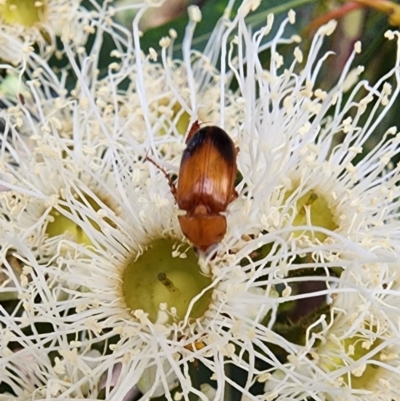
[203, 230]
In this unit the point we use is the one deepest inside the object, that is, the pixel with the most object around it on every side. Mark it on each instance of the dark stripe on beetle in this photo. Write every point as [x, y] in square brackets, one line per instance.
[218, 138]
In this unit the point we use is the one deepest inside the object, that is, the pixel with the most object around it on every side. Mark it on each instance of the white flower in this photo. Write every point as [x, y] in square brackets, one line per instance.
[29, 372]
[305, 277]
[354, 354]
[25, 23]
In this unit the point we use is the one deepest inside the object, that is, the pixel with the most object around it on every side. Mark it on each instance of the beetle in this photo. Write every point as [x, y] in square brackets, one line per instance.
[205, 184]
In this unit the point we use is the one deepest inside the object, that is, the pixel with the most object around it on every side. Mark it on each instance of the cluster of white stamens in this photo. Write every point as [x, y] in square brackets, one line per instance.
[80, 205]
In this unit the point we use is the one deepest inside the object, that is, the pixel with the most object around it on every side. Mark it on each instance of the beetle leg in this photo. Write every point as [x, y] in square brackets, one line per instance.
[193, 129]
[167, 176]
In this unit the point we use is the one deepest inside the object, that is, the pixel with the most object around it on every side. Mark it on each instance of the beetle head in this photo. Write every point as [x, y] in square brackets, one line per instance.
[203, 230]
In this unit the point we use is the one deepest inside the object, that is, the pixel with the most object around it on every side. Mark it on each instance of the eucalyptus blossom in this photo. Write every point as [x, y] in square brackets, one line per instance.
[300, 298]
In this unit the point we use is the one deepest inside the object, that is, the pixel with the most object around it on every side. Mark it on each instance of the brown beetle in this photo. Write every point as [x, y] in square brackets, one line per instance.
[205, 184]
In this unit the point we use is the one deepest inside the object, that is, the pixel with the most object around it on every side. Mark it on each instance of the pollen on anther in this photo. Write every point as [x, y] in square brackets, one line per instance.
[165, 42]
[357, 47]
[298, 54]
[328, 29]
[153, 54]
[292, 16]
[194, 13]
[389, 35]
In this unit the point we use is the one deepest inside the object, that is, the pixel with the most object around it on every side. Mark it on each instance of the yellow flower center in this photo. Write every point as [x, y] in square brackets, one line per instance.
[364, 376]
[62, 224]
[23, 12]
[312, 209]
[164, 278]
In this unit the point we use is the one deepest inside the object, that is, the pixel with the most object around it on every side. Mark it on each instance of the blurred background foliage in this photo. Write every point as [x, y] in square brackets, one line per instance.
[359, 20]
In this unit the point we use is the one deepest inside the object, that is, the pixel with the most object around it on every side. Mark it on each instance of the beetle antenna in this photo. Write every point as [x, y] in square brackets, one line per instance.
[167, 176]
